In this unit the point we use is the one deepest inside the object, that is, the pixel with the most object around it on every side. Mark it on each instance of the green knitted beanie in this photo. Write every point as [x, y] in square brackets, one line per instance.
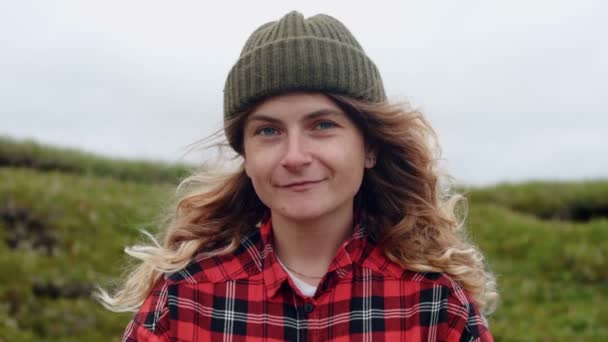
[315, 54]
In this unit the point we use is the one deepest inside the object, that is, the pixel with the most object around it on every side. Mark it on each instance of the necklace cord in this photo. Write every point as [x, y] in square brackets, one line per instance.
[296, 272]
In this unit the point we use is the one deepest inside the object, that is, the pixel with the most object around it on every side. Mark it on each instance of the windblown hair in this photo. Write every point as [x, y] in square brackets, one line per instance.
[417, 220]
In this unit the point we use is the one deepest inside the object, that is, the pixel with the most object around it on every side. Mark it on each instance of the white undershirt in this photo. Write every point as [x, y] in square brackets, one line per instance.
[306, 289]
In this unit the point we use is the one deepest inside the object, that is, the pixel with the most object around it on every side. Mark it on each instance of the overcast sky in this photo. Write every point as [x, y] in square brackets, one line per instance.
[516, 90]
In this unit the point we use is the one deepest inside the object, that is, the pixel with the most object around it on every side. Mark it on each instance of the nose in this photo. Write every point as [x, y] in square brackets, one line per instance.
[296, 155]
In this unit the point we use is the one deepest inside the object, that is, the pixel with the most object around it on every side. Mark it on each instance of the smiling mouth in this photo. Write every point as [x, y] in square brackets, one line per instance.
[301, 185]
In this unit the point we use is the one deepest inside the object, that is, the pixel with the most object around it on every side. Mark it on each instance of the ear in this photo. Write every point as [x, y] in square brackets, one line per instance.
[370, 158]
[245, 166]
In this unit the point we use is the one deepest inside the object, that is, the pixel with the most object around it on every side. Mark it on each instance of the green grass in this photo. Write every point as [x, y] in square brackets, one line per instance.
[549, 200]
[31, 154]
[552, 274]
[91, 220]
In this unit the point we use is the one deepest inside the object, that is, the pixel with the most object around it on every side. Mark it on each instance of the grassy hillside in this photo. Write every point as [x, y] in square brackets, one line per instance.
[65, 217]
[30, 154]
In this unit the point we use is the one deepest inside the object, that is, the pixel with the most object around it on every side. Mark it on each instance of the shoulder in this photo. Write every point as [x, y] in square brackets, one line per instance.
[437, 301]
[449, 306]
[424, 284]
[439, 281]
[215, 267]
[151, 321]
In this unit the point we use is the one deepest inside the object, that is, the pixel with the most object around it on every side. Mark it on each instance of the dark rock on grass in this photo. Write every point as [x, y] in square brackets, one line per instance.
[27, 231]
[55, 290]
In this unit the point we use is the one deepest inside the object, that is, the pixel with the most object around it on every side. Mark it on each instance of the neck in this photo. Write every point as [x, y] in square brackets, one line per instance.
[308, 247]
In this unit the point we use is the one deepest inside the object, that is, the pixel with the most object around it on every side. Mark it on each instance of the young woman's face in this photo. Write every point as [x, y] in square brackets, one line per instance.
[304, 156]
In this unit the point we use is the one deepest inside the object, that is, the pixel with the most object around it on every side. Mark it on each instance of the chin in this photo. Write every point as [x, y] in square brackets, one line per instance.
[300, 213]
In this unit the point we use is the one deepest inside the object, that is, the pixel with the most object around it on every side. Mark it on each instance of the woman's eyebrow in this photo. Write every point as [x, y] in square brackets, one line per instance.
[312, 115]
[321, 113]
[262, 117]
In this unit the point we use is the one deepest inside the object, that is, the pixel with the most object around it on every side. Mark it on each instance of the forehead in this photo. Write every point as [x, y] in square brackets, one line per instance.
[295, 106]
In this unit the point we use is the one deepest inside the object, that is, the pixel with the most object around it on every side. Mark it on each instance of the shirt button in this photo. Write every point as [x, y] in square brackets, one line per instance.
[308, 307]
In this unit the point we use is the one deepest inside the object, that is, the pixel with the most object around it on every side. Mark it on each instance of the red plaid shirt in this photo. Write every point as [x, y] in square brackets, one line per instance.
[248, 296]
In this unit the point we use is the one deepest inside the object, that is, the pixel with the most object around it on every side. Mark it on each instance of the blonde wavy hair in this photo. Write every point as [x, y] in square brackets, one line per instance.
[417, 219]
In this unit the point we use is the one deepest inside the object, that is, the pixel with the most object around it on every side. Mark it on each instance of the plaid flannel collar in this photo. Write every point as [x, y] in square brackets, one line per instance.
[350, 252]
[255, 258]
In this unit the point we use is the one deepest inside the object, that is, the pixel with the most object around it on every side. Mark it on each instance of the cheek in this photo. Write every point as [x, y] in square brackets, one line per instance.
[259, 169]
[350, 155]
[353, 175]
[254, 169]
[252, 160]
[352, 163]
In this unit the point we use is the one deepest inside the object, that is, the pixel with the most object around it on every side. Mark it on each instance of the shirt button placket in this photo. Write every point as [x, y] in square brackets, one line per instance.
[307, 309]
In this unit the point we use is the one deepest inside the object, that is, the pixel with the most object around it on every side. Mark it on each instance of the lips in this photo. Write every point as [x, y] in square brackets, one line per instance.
[301, 184]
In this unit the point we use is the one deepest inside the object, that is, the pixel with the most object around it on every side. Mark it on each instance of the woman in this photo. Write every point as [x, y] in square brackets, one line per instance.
[334, 228]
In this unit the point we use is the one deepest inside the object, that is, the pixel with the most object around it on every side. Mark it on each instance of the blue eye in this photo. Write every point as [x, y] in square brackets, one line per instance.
[325, 125]
[266, 131]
